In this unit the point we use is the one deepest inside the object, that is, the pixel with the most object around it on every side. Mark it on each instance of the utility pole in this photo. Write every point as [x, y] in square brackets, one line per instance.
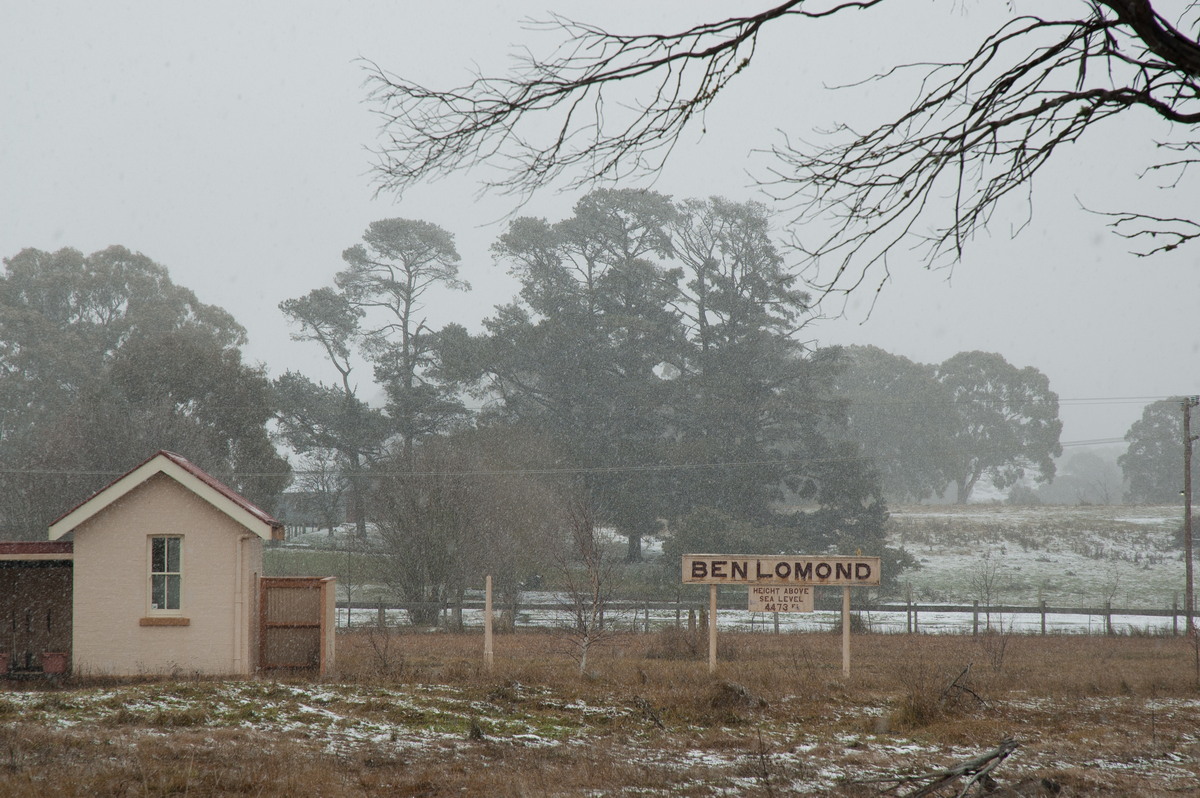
[1189, 593]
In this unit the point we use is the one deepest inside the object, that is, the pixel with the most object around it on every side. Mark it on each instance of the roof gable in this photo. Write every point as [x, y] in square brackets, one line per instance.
[187, 474]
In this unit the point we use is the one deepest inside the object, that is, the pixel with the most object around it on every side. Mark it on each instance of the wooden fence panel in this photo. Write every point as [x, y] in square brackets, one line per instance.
[296, 623]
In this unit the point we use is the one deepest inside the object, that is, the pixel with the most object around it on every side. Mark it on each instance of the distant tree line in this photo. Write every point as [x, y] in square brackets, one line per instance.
[652, 377]
[649, 378]
[972, 418]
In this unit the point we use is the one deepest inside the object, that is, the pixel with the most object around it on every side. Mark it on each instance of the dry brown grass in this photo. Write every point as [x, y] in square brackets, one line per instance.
[1093, 716]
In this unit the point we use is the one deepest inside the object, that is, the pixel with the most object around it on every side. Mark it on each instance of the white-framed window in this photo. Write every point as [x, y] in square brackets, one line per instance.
[166, 573]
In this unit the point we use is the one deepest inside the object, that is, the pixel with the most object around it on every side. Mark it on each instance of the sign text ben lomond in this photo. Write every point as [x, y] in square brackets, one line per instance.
[732, 569]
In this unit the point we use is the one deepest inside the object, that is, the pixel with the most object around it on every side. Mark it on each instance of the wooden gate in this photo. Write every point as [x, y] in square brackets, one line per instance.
[296, 623]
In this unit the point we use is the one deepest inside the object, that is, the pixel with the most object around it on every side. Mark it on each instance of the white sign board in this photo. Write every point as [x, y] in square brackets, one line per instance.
[780, 598]
[736, 569]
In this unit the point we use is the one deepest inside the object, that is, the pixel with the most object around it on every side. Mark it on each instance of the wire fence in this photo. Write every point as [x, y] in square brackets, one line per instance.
[654, 615]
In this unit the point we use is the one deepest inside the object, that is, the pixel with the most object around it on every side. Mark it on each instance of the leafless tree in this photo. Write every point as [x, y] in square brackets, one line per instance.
[987, 580]
[588, 572]
[606, 106]
[472, 506]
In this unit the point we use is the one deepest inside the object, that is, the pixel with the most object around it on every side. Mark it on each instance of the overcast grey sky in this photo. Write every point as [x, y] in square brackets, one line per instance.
[228, 141]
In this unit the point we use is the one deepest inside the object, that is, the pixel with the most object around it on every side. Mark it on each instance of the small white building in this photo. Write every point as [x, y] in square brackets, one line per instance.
[167, 565]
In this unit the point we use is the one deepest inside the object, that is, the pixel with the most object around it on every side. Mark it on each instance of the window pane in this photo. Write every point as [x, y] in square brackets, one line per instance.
[158, 592]
[166, 554]
[158, 555]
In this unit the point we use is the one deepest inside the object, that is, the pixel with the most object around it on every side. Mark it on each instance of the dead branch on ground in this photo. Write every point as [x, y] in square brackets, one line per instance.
[976, 771]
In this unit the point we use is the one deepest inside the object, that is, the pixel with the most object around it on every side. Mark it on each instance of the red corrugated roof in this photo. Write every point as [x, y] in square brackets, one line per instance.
[221, 487]
[20, 547]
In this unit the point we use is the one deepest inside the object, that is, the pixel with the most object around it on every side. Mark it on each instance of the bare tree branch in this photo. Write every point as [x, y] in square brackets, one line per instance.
[606, 107]
[980, 130]
[1163, 233]
[431, 133]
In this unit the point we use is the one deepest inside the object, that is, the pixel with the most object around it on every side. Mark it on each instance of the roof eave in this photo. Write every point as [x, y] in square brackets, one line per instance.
[182, 472]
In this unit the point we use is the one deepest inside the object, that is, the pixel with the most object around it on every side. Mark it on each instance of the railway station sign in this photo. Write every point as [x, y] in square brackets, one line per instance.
[780, 598]
[733, 569]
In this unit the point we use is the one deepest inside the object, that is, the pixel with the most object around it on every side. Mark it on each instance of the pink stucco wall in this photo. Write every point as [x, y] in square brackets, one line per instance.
[221, 562]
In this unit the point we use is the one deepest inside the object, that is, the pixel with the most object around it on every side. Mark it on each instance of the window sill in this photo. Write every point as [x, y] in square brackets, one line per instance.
[165, 620]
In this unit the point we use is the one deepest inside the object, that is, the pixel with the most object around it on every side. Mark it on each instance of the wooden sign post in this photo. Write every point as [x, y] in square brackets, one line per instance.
[712, 628]
[846, 631]
[488, 654]
[785, 582]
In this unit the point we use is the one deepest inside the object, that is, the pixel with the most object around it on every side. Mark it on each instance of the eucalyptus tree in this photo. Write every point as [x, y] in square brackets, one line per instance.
[387, 278]
[1007, 421]
[748, 386]
[319, 420]
[903, 418]
[373, 315]
[660, 344]
[579, 352]
[333, 431]
[1153, 461]
[103, 361]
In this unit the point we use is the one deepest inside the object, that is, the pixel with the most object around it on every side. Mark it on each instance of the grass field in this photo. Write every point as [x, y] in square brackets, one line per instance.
[419, 715]
[1067, 556]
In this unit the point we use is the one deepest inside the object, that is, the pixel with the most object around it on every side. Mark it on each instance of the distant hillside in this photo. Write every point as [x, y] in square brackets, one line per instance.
[1065, 555]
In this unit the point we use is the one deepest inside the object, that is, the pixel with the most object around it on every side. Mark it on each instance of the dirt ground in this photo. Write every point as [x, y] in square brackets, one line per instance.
[409, 714]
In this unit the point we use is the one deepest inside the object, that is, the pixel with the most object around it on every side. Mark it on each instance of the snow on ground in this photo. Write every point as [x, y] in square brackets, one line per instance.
[998, 554]
[1066, 556]
[825, 621]
[432, 722]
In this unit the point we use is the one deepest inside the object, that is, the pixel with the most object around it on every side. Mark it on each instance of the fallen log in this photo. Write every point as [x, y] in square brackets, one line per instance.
[977, 772]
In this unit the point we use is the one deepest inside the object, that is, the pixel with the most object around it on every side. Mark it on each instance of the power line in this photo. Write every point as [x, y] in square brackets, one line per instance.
[1114, 400]
[634, 468]
[480, 472]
